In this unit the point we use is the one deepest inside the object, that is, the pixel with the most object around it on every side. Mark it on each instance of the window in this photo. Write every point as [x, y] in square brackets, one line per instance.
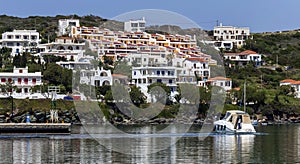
[150, 81]
[159, 80]
[34, 81]
[20, 71]
[134, 72]
[163, 73]
[158, 72]
[144, 81]
[170, 81]
[221, 84]
[19, 80]
[26, 80]
[227, 83]
[3, 80]
[9, 80]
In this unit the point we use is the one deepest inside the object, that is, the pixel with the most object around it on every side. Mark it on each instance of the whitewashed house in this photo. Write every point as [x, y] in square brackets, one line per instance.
[96, 77]
[20, 41]
[135, 25]
[144, 76]
[223, 82]
[65, 25]
[64, 47]
[190, 70]
[227, 37]
[22, 80]
[244, 58]
[294, 84]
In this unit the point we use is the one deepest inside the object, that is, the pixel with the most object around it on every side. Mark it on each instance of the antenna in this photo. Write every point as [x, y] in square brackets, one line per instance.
[217, 22]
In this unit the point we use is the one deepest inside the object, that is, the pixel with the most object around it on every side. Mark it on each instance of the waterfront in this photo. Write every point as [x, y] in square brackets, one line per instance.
[273, 144]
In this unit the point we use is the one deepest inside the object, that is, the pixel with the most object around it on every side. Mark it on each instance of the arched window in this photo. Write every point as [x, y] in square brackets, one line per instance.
[103, 74]
[61, 48]
[105, 83]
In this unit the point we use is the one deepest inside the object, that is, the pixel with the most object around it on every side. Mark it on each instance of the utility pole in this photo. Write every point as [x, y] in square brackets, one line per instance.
[245, 96]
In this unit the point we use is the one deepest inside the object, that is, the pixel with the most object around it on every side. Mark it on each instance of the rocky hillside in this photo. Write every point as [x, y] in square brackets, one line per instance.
[46, 25]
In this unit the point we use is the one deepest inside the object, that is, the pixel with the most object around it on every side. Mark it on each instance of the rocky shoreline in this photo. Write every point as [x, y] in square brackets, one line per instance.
[71, 116]
[65, 116]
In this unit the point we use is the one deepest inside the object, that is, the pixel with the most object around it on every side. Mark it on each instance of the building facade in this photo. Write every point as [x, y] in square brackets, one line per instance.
[98, 77]
[135, 25]
[21, 79]
[21, 41]
[294, 84]
[64, 26]
[244, 58]
[228, 36]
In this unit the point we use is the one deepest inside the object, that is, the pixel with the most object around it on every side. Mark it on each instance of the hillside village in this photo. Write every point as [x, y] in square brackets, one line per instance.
[31, 69]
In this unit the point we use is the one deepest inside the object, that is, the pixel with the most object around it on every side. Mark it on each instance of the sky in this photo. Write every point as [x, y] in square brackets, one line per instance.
[259, 15]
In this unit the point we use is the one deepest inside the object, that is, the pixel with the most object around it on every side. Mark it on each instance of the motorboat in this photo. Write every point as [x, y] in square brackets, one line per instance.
[234, 121]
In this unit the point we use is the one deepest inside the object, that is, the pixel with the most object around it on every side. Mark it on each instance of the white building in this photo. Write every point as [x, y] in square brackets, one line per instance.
[99, 77]
[244, 57]
[135, 25]
[225, 83]
[64, 47]
[145, 59]
[21, 41]
[294, 84]
[64, 26]
[228, 36]
[22, 79]
[144, 76]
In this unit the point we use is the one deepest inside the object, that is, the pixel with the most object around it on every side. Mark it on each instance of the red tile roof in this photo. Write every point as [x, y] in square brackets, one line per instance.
[247, 52]
[218, 78]
[291, 81]
[196, 59]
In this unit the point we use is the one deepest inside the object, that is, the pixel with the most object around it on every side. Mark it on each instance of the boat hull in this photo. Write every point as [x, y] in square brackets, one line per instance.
[222, 126]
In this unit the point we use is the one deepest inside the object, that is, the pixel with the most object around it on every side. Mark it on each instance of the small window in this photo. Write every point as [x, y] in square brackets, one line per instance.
[3, 80]
[20, 71]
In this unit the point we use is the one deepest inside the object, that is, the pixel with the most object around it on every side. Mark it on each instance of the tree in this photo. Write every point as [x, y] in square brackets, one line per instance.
[108, 97]
[107, 60]
[159, 92]
[57, 75]
[137, 97]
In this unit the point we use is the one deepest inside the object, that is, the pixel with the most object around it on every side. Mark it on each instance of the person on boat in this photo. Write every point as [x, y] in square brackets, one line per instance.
[239, 122]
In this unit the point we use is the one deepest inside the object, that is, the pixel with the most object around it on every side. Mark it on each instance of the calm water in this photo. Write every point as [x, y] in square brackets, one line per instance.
[273, 144]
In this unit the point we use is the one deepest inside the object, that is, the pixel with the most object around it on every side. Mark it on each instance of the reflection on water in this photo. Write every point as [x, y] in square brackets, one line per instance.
[280, 144]
[233, 147]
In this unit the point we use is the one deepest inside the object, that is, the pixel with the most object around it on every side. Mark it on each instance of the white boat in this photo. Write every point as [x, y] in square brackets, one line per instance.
[235, 121]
